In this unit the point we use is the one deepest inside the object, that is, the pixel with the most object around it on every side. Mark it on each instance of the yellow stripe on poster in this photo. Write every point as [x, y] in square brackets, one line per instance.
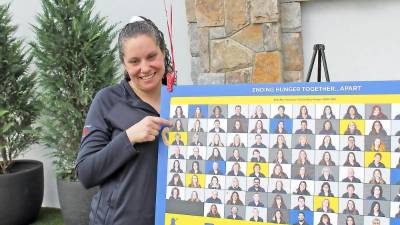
[322, 99]
[177, 219]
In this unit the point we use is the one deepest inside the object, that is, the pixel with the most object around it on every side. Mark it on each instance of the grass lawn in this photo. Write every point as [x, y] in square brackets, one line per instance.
[49, 216]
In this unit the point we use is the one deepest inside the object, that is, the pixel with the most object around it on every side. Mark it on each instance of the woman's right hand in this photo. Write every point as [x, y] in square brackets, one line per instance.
[147, 129]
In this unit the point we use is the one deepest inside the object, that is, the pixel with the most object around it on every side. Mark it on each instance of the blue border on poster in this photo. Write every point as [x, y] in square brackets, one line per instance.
[281, 89]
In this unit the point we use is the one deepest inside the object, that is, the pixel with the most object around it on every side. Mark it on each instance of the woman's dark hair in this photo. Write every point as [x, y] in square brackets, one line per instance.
[146, 27]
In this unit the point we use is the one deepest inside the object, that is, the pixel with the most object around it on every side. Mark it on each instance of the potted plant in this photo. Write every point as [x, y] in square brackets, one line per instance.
[21, 181]
[74, 60]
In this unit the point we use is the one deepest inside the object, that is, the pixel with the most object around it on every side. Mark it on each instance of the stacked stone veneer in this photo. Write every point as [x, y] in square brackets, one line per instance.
[245, 41]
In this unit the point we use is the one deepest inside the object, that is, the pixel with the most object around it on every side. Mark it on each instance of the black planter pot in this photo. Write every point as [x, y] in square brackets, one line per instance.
[75, 202]
[21, 193]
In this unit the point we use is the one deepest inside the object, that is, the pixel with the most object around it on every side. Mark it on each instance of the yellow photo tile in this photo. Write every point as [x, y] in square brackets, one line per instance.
[260, 167]
[178, 138]
[195, 180]
[352, 127]
[326, 203]
[377, 159]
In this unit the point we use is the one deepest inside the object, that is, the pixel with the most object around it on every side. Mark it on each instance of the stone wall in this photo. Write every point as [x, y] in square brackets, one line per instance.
[245, 41]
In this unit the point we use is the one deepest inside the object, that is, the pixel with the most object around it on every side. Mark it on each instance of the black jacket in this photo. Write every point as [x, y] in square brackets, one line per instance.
[126, 173]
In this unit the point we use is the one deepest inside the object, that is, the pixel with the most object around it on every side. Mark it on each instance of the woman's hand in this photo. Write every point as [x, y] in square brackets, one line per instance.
[147, 129]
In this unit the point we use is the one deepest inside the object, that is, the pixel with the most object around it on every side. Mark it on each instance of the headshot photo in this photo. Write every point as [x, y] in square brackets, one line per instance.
[259, 111]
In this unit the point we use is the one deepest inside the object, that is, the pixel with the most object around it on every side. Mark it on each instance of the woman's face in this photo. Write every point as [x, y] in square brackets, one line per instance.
[195, 166]
[303, 155]
[325, 188]
[377, 126]
[376, 111]
[377, 191]
[235, 182]
[280, 155]
[257, 169]
[352, 126]
[377, 142]
[352, 111]
[303, 140]
[178, 124]
[197, 123]
[327, 126]
[376, 207]
[176, 164]
[144, 62]
[350, 205]
[259, 124]
[303, 110]
[259, 109]
[175, 193]
[327, 139]
[236, 153]
[377, 175]
[280, 139]
[351, 158]
[234, 196]
[217, 111]
[325, 203]
[237, 140]
[280, 125]
[327, 157]
[326, 172]
[278, 215]
[198, 110]
[302, 171]
[194, 180]
[327, 110]
[278, 170]
[214, 180]
[278, 185]
[214, 209]
[325, 219]
[278, 201]
[216, 139]
[176, 178]
[237, 124]
[194, 195]
[302, 186]
[215, 152]
[349, 221]
[179, 110]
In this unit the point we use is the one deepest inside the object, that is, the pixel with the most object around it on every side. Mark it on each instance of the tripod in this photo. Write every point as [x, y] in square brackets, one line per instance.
[320, 49]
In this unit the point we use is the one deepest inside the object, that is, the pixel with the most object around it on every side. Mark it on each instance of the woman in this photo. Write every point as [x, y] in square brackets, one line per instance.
[237, 143]
[194, 197]
[303, 114]
[175, 181]
[302, 159]
[176, 167]
[259, 113]
[325, 220]
[278, 202]
[279, 188]
[377, 177]
[326, 190]
[376, 193]
[327, 144]
[352, 113]
[213, 212]
[351, 160]
[277, 217]
[352, 129]
[377, 114]
[325, 207]
[175, 194]
[216, 141]
[178, 126]
[277, 172]
[327, 128]
[197, 113]
[351, 208]
[259, 128]
[302, 174]
[194, 182]
[377, 129]
[216, 155]
[178, 112]
[121, 149]
[326, 175]
[214, 184]
[377, 145]
[326, 160]
[327, 114]
[376, 210]
[197, 127]
[350, 220]
[280, 142]
[235, 171]
[234, 199]
[303, 143]
[237, 127]
[280, 157]
[195, 168]
[302, 189]
[280, 128]
[217, 113]
[236, 156]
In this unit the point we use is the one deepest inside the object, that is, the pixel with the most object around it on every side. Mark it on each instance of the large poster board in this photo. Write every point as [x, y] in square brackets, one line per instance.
[298, 153]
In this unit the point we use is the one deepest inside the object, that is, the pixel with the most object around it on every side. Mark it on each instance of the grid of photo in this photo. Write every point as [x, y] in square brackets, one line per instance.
[286, 163]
